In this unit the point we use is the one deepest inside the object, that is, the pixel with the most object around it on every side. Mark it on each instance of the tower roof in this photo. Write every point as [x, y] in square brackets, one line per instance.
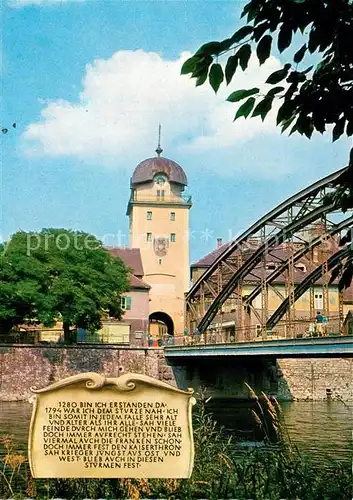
[147, 169]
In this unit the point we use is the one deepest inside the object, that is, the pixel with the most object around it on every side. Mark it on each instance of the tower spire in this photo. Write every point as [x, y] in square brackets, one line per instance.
[159, 150]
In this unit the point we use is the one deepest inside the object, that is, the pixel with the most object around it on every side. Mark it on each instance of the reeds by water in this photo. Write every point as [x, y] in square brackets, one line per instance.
[274, 471]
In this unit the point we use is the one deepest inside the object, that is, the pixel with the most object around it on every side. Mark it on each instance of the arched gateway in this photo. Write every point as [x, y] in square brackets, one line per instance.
[161, 326]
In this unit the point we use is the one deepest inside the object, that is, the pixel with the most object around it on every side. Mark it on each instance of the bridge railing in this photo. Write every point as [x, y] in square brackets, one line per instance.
[299, 329]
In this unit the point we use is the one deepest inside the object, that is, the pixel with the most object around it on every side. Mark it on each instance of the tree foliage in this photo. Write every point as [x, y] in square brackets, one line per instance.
[58, 275]
[313, 91]
[314, 88]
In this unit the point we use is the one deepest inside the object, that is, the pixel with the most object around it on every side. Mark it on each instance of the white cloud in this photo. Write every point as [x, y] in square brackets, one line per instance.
[125, 97]
[25, 3]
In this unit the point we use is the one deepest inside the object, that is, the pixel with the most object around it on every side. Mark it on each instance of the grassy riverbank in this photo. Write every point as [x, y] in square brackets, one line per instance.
[274, 471]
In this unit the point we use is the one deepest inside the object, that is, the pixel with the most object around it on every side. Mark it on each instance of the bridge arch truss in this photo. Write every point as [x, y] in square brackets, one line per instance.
[303, 226]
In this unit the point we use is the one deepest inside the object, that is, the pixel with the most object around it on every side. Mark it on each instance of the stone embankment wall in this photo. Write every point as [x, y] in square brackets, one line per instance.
[24, 367]
[315, 379]
[300, 379]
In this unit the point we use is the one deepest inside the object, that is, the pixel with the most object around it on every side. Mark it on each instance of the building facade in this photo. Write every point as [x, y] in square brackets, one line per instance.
[158, 211]
[337, 307]
[135, 302]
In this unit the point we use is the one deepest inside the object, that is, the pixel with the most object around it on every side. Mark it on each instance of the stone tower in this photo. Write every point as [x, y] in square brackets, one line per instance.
[158, 212]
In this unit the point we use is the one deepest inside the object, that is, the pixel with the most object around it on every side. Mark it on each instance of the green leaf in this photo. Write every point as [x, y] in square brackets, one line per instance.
[202, 66]
[245, 109]
[225, 44]
[278, 76]
[298, 56]
[287, 123]
[314, 40]
[284, 37]
[263, 49]
[250, 9]
[263, 108]
[274, 20]
[246, 9]
[201, 76]
[216, 76]
[201, 79]
[244, 54]
[293, 129]
[338, 129]
[305, 125]
[253, 12]
[296, 77]
[241, 33]
[274, 91]
[210, 48]
[260, 29]
[319, 121]
[238, 95]
[189, 65]
[307, 70]
[285, 112]
[231, 68]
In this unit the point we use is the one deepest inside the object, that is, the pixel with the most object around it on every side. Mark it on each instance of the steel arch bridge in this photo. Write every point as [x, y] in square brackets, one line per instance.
[243, 277]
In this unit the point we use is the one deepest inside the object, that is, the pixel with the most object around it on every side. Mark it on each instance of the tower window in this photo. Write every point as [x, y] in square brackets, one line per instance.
[149, 237]
[159, 261]
[172, 215]
[172, 237]
[149, 215]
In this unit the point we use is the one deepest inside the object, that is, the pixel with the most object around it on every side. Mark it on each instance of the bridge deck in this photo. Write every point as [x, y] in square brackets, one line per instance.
[339, 347]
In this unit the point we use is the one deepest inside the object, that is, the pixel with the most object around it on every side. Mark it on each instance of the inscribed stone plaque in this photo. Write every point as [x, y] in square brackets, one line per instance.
[130, 426]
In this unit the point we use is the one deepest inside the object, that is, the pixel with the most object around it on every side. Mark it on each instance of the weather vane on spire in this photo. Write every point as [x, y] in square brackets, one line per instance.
[159, 150]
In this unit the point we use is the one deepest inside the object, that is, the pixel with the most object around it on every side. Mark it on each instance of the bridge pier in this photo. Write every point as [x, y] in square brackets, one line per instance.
[225, 378]
[286, 379]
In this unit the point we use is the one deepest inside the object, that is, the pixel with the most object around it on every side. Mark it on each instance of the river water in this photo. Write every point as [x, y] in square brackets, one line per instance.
[324, 429]
[321, 428]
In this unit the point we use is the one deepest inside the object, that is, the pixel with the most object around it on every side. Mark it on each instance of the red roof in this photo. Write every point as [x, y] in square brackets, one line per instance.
[209, 259]
[147, 169]
[138, 283]
[131, 258]
[275, 257]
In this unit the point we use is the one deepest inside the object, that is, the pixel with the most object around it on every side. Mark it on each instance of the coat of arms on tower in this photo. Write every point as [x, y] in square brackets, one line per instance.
[160, 246]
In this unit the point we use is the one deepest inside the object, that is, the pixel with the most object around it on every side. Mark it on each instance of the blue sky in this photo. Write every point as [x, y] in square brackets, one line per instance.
[87, 81]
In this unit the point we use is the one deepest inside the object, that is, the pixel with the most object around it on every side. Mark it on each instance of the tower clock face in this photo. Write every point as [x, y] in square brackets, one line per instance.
[160, 179]
[160, 246]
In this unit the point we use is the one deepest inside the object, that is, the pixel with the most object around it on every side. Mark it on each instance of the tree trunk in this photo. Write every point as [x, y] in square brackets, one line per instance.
[67, 333]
